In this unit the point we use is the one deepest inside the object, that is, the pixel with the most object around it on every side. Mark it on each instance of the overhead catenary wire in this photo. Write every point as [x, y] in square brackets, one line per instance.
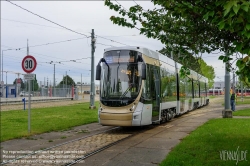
[126, 10]
[120, 5]
[45, 44]
[16, 60]
[61, 25]
[112, 40]
[63, 60]
[105, 44]
[30, 23]
[47, 19]
[63, 41]
[58, 27]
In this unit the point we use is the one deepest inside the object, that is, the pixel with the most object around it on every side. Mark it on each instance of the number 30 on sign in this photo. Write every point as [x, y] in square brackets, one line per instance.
[29, 64]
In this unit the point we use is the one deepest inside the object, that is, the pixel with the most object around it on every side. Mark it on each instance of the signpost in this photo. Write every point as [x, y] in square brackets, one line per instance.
[29, 76]
[29, 65]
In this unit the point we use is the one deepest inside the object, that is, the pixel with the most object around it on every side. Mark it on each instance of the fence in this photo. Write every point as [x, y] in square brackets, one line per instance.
[57, 92]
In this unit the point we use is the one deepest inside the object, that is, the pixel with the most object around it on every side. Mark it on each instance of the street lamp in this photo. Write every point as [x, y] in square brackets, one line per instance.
[6, 77]
[1, 62]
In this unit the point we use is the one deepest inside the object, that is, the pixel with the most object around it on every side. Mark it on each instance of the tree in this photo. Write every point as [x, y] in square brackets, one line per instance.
[195, 64]
[207, 71]
[34, 85]
[67, 80]
[195, 26]
[22, 83]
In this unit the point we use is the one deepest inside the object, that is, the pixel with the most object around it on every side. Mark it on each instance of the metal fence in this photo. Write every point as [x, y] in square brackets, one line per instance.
[57, 92]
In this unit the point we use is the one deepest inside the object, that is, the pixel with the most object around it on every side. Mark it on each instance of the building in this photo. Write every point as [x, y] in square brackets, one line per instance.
[8, 91]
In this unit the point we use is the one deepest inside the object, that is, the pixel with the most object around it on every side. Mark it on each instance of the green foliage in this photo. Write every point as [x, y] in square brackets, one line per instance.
[207, 71]
[33, 84]
[190, 62]
[67, 80]
[22, 83]
[244, 70]
[193, 26]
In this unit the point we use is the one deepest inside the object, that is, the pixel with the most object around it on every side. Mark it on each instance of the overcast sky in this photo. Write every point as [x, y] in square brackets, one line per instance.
[18, 25]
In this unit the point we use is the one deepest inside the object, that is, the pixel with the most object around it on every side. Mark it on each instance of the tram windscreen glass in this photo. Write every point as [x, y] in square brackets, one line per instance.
[120, 79]
[120, 56]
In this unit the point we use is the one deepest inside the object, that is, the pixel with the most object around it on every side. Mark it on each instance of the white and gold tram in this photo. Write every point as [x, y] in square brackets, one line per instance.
[139, 87]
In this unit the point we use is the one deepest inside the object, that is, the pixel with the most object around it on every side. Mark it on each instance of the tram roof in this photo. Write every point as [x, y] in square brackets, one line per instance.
[158, 56]
[143, 50]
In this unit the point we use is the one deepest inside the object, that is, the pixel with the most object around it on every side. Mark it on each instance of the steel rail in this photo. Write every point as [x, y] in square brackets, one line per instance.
[74, 140]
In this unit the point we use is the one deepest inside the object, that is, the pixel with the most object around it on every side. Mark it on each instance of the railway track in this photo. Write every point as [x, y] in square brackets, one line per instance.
[74, 151]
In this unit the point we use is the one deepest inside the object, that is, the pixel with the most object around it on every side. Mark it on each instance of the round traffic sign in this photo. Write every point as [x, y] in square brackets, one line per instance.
[29, 64]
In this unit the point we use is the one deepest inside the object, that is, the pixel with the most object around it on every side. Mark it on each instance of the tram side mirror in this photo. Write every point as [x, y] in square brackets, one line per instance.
[98, 72]
[143, 71]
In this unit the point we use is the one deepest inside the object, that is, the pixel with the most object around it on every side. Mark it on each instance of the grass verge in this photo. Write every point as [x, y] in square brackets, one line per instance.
[14, 124]
[245, 112]
[212, 97]
[246, 100]
[204, 146]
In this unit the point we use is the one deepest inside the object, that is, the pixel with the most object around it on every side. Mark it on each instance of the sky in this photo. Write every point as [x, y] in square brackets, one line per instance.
[50, 42]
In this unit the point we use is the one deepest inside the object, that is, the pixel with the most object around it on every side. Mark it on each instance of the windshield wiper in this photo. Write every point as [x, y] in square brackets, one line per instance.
[127, 90]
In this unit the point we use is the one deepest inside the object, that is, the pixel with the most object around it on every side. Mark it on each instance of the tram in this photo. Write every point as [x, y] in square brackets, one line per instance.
[140, 87]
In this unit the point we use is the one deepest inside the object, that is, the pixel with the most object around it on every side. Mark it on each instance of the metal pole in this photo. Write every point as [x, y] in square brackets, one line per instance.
[7, 91]
[54, 81]
[1, 91]
[63, 85]
[213, 90]
[81, 83]
[92, 91]
[66, 85]
[227, 113]
[2, 74]
[29, 110]
[233, 81]
[2, 65]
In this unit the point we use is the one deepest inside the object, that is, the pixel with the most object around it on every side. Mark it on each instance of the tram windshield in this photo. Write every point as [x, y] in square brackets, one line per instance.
[120, 78]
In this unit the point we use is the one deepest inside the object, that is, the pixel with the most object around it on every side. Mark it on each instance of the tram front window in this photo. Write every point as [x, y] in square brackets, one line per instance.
[120, 80]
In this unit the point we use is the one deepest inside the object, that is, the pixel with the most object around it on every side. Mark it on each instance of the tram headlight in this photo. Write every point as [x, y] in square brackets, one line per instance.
[132, 108]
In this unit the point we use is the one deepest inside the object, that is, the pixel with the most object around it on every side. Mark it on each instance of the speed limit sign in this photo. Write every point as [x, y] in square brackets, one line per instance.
[29, 64]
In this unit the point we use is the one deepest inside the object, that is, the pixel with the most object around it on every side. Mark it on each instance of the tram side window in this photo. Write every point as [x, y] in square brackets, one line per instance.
[149, 90]
[149, 87]
[168, 85]
[196, 88]
[182, 85]
[189, 88]
[203, 89]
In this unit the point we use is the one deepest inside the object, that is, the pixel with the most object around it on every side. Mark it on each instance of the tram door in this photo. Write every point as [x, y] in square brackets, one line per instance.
[155, 90]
